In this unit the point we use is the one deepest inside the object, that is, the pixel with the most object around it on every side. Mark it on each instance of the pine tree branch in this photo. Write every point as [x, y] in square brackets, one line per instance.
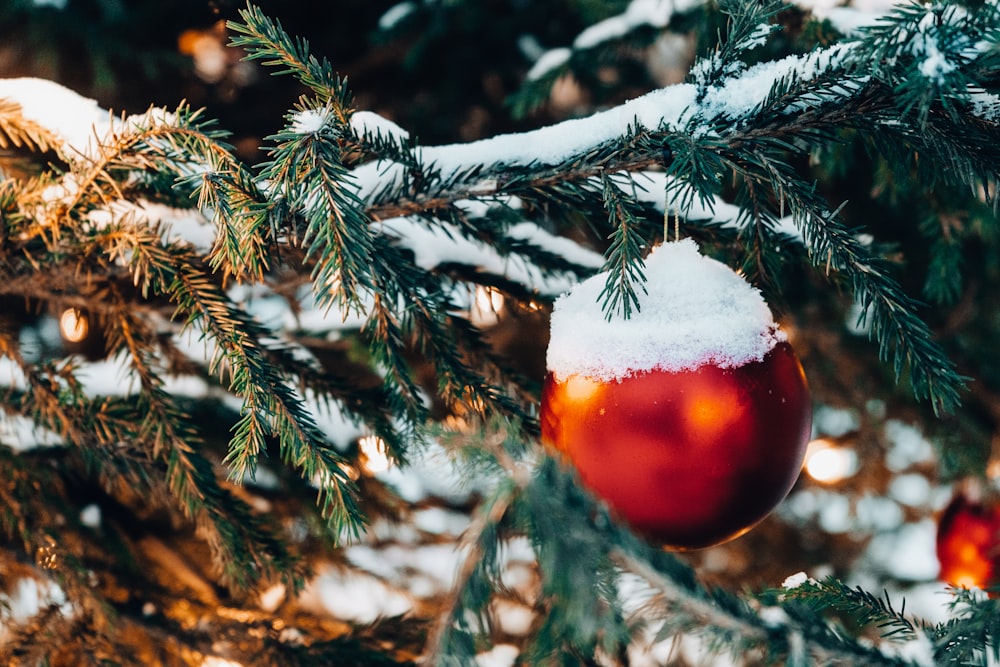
[270, 405]
[477, 544]
[624, 260]
[972, 635]
[243, 550]
[264, 39]
[601, 43]
[306, 169]
[864, 607]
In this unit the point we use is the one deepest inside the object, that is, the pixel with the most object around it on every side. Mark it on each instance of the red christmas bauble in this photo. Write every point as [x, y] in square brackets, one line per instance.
[968, 542]
[691, 416]
[691, 458]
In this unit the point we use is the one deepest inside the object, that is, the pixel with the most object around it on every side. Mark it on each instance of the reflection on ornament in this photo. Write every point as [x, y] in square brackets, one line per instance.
[486, 307]
[689, 458]
[578, 388]
[968, 542]
[373, 454]
[73, 325]
[829, 463]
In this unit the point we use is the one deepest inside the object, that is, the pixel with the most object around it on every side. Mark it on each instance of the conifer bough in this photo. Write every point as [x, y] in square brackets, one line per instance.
[239, 276]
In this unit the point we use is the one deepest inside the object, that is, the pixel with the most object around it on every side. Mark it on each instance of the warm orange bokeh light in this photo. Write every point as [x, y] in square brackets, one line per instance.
[487, 306]
[374, 457]
[73, 325]
[828, 463]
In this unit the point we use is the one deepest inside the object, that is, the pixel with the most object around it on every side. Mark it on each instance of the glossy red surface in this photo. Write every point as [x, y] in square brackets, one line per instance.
[689, 459]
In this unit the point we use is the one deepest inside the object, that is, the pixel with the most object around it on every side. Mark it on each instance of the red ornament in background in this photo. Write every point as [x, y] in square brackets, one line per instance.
[968, 542]
[689, 456]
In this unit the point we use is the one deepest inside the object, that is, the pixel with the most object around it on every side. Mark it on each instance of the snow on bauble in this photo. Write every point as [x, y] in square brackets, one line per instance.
[691, 417]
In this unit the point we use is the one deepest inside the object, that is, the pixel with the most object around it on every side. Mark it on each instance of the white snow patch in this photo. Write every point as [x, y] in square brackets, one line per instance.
[443, 243]
[848, 20]
[73, 118]
[877, 513]
[928, 601]
[907, 554]
[648, 652]
[696, 311]
[557, 245]
[309, 121]
[635, 592]
[216, 661]
[440, 521]
[107, 377]
[269, 600]
[21, 434]
[518, 550]
[501, 655]
[700, 650]
[908, 446]
[793, 581]
[835, 514]
[935, 65]
[655, 13]
[834, 422]
[651, 188]
[912, 489]
[265, 305]
[985, 105]
[740, 95]
[512, 618]
[26, 598]
[638, 13]
[395, 14]
[90, 516]
[547, 145]
[178, 224]
[191, 386]
[856, 320]
[193, 345]
[353, 596]
[332, 419]
[371, 124]
[400, 564]
[548, 61]
[774, 617]
[115, 376]
[918, 651]
[432, 472]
